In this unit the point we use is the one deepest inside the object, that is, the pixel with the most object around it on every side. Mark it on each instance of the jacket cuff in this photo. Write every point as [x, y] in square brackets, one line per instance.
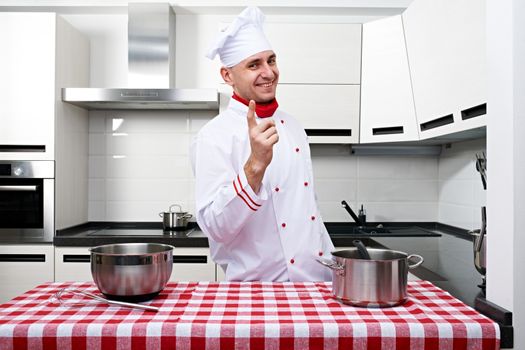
[246, 193]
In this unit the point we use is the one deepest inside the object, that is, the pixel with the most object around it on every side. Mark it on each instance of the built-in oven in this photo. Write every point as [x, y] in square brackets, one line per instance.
[27, 208]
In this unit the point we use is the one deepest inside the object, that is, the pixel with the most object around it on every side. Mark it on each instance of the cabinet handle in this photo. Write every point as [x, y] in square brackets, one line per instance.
[436, 123]
[19, 188]
[328, 132]
[22, 148]
[473, 112]
[72, 258]
[388, 130]
[190, 259]
[22, 258]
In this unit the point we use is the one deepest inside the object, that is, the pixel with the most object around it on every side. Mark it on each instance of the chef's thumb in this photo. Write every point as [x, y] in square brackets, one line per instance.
[251, 115]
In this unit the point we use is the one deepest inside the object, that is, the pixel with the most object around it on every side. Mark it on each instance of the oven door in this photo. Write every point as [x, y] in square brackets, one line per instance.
[26, 210]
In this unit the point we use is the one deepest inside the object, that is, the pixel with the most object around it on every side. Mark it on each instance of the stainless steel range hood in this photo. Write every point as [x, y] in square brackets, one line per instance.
[151, 69]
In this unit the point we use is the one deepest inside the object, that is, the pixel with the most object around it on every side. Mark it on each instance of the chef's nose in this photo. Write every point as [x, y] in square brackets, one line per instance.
[267, 71]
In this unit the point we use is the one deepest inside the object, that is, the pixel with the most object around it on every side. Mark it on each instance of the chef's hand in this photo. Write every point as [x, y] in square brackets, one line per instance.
[262, 138]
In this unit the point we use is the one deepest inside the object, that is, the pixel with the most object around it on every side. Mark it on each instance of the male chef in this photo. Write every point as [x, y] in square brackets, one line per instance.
[254, 192]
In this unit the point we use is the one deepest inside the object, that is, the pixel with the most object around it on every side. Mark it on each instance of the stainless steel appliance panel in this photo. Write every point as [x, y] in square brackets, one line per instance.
[27, 209]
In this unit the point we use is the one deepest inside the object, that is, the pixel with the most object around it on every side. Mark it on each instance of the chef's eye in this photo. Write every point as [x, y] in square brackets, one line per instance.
[253, 66]
[272, 61]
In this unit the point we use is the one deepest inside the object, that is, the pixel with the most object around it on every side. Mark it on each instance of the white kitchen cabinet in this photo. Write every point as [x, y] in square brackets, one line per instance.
[319, 77]
[316, 53]
[189, 264]
[23, 267]
[41, 53]
[192, 264]
[72, 264]
[447, 56]
[387, 103]
[328, 113]
[27, 84]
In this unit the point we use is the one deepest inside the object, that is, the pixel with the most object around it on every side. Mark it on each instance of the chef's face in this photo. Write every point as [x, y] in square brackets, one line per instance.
[254, 78]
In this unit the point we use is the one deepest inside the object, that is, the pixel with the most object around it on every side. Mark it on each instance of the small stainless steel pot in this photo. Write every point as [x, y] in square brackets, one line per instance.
[175, 220]
[378, 282]
[131, 271]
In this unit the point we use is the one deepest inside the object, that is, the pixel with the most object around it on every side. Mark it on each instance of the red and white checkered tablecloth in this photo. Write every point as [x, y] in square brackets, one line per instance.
[245, 315]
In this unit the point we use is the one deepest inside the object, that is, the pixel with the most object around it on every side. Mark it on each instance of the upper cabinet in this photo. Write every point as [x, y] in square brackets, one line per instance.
[40, 53]
[27, 71]
[316, 53]
[387, 103]
[320, 69]
[446, 53]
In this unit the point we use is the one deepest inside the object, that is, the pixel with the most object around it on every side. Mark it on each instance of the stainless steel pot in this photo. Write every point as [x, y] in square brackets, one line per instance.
[378, 282]
[175, 220]
[131, 271]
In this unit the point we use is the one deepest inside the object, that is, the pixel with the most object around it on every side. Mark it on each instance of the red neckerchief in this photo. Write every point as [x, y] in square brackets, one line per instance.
[263, 110]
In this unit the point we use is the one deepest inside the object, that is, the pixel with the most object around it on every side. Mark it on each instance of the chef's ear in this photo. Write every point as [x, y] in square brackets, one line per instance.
[226, 74]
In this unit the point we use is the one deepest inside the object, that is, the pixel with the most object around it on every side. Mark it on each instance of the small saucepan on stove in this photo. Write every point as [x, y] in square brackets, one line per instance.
[380, 281]
[175, 220]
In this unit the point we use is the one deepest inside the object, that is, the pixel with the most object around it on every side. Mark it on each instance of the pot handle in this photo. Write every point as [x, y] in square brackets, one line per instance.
[175, 205]
[417, 263]
[331, 264]
[187, 216]
[161, 214]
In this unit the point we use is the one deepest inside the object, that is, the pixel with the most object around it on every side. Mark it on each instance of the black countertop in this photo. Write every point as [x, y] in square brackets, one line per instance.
[99, 233]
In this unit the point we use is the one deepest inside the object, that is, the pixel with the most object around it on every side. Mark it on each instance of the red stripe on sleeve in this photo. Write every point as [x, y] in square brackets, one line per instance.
[246, 193]
[240, 195]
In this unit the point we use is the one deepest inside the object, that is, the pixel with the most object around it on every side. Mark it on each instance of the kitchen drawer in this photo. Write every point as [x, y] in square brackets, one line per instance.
[192, 264]
[72, 264]
[22, 267]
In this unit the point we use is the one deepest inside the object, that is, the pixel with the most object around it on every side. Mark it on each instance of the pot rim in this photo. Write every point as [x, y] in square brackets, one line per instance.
[404, 255]
[167, 249]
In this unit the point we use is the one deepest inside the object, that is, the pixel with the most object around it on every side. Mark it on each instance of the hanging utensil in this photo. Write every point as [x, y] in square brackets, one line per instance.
[481, 167]
[59, 296]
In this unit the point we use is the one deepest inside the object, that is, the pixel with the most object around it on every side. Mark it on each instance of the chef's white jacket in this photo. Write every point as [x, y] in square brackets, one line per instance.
[275, 235]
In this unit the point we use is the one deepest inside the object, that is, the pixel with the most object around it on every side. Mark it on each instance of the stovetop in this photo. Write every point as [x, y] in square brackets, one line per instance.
[144, 232]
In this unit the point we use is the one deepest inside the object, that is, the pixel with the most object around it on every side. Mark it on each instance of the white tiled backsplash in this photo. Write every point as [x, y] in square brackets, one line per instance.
[139, 165]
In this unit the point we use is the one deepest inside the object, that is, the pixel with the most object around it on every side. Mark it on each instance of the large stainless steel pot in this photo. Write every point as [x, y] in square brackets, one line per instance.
[131, 271]
[378, 282]
[175, 220]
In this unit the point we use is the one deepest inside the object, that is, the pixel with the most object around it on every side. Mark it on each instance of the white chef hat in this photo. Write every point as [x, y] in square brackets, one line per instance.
[243, 38]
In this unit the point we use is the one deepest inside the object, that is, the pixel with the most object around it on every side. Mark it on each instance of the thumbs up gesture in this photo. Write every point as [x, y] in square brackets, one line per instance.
[262, 138]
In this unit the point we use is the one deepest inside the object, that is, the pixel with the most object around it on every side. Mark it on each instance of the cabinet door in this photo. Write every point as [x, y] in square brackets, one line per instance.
[316, 53]
[23, 267]
[192, 264]
[328, 113]
[72, 264]
[447, 55]
[387, 104]
[27, 84]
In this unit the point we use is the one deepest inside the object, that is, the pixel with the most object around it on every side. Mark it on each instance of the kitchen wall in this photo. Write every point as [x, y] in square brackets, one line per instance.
[139, 165]
[461, 193]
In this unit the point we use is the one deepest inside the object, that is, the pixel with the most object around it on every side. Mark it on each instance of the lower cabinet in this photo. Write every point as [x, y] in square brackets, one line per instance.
[72, 264]
[192, 264]
[23, 267]
[189, 264]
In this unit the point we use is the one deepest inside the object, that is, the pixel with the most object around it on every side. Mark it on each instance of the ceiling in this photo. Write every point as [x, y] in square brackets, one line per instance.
[270, 7]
